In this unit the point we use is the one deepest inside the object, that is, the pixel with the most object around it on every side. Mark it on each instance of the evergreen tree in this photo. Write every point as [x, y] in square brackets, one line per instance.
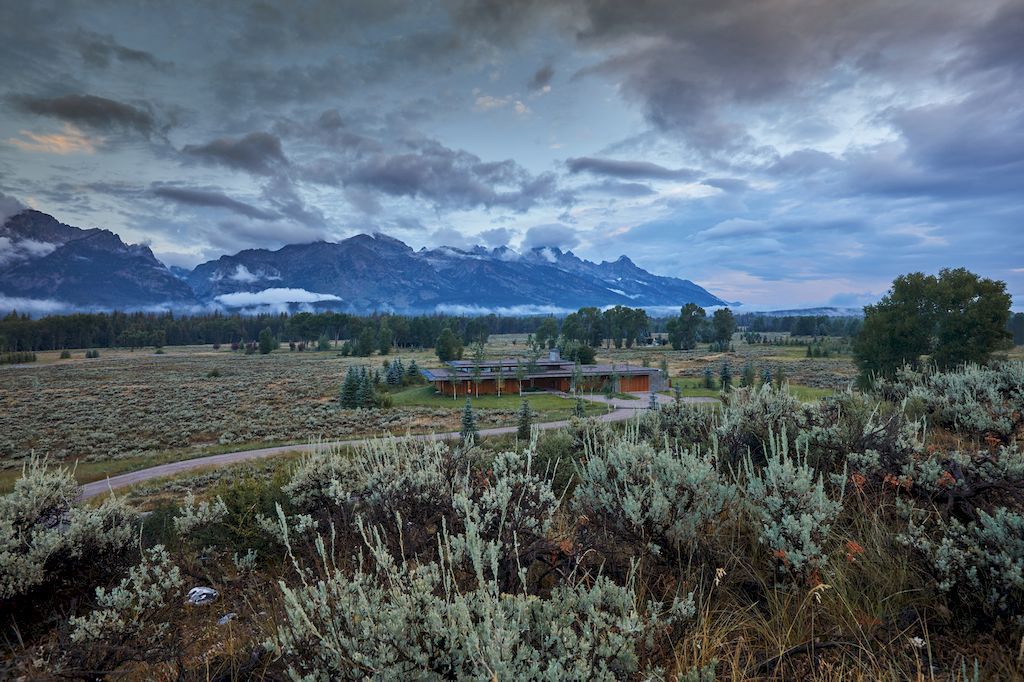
[349, 388]
[766, 376]
[709, 378]
[547, 332]
[652, 403]
[525, 421]
[364, 390]
[266, 341]
[469, 431]
[579, 409]
[749, 375]
[323, 343]
[780, 377]
[385, 338]
[726, 376]
[413, 370]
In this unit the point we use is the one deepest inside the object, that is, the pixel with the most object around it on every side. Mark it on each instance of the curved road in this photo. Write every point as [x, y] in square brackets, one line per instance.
[623, 409]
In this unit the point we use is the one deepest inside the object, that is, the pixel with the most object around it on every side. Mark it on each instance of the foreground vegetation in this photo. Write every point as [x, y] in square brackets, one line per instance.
[874, 536]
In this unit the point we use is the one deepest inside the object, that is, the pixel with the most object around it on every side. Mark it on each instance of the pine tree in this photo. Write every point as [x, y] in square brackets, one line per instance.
[579, 409]
[749, 375]
[349, 388]
[266, 341]
[363, 389]
[413, 370]
[653, 402]
[766, 376]
[709, 378]
[469, 432]
[525, 421]
[726, 376]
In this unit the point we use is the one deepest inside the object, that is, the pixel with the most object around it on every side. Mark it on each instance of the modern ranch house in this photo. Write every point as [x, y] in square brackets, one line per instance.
[553, 374]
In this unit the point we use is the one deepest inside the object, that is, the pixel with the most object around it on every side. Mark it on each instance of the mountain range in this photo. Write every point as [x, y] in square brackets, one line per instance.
[42, 259]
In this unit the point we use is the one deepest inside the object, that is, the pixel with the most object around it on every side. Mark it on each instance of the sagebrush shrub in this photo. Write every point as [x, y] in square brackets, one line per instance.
[979, 563]
[665, 499]
[681, 422]
[791, 507]
[192, 516]
[752, 415]
[414, 486]
[869, 434]
[974, 400]
[396, 620]
[125, 611]
[134, 620]
[48, 543]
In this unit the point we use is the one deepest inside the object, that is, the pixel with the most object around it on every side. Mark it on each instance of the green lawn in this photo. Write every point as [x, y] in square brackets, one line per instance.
[545, 403]
[694, 388]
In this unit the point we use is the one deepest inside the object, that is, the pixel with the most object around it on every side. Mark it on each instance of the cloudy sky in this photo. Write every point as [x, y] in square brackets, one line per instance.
[778, 152]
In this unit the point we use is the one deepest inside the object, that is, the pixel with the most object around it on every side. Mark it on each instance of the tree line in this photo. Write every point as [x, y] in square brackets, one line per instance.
[19, 332]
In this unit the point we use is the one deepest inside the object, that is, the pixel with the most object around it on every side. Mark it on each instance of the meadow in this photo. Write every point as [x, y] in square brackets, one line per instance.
[127, 410]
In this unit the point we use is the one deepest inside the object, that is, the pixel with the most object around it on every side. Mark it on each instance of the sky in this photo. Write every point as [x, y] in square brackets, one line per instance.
[777, 152]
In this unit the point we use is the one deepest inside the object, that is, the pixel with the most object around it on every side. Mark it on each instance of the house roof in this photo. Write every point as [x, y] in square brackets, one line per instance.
[560, 369]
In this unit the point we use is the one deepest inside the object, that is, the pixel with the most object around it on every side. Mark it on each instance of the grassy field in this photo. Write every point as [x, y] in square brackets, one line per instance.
[132, 409]
[694, 388]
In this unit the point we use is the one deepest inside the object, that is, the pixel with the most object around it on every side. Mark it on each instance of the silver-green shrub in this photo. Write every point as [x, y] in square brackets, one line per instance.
[415, 487]
[979, 562]
[791, 507]
[394, 620]
[192, 516]
[126, 612]
[752, 415]
[681, 422]
[46, 541]
[518, 502]
[661, 497]
[868, 434]
[975, 400]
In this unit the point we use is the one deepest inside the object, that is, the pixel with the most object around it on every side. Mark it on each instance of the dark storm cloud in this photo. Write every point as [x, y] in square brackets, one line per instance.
[553, 234]
[213, 199]
[282, 193]
[8, 207]
[267, 26]
[95, 112]
[232, 236]
[542, 77]
[618, 189]
[447, 178]
[498, 236]
[258, 153]
[101, 50]
[628, 170]
[706, 70]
